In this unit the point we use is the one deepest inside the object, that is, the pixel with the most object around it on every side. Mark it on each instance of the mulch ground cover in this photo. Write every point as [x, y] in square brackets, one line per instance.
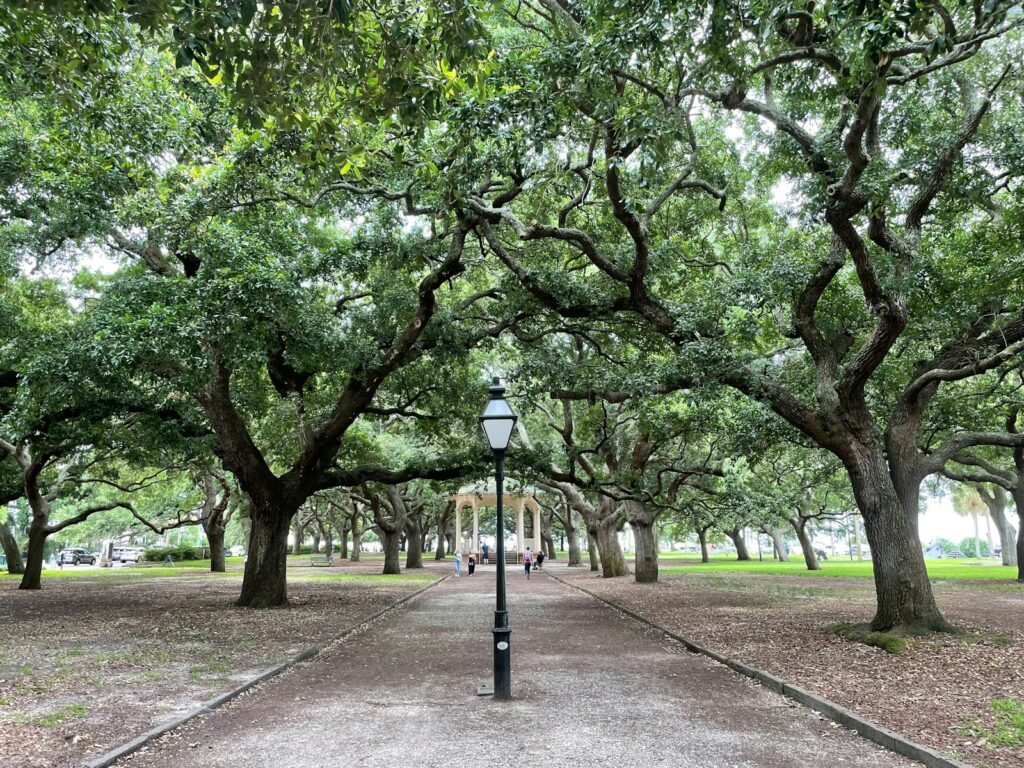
[92, 661]
[938, 693]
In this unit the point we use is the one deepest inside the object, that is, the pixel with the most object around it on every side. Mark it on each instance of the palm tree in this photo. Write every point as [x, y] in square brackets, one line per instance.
[966, 501]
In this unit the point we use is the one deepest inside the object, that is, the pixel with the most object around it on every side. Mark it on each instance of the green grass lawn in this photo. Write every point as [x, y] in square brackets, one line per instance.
[185, 568]
[939, 570]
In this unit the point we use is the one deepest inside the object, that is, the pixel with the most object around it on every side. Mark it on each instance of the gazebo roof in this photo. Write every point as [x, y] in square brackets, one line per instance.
[512, 487]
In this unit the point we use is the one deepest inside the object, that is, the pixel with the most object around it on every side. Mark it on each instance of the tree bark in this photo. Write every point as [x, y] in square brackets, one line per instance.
[316, 542]
[11, 550]
[806, 545]
[215, 535]
[343, 541]
[613, 563]
[414, 542]
[33, 574]
[592, 550]
[264, 584]
[392, 541]
[548, 545]
[1018, 500]
[442, 537]
[299, 535]
[702, 535]
[572, 531]
[736, 534]
[890, 509]
[357, 543]
[778, 545]
[645, 567]
[328, 543]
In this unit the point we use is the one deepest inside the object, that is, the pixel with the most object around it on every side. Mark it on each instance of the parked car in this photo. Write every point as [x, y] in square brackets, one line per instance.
[237, 551]
[955, 553]
[127, 554]
[75, 556]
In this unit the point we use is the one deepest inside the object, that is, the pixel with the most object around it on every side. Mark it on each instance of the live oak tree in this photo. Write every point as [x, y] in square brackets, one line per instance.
[867, 117]
[11, 489]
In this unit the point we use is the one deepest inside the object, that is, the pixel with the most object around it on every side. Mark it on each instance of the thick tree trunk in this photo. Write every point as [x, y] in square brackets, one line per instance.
[806, 545]
[1018, 501]
[316, 543]
[547, 542]
[328, 543]
[32, 577]
[575, 557]
[645, 567]
[343, 542]
[442, 538]
[414, 543]
[613, 563]
[357, 544]
[903, 592]
[299, 536]
[215, 535]
[702, 535]
[736, 534]
[592, 550]
[265, 583]
[11, 550]
[996, 504]
[1007, 540]
[1020, 545]
[392, 541]
[778, 545]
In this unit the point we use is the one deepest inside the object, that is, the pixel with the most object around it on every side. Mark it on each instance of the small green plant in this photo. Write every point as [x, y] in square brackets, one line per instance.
[55, 718]
[1007, 729]
[862, 633]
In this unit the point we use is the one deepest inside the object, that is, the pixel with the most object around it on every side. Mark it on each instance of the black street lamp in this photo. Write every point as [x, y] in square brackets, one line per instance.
[498, 421]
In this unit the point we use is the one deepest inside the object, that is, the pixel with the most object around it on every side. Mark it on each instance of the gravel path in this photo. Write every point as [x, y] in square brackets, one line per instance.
[590, 687]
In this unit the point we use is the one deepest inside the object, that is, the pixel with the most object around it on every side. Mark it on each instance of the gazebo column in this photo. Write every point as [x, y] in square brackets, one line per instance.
[475, 547]
[537, 541]
[520, 530]
[458, 523]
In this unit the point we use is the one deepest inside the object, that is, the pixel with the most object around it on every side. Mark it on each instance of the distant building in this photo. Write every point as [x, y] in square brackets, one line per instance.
[934, 551]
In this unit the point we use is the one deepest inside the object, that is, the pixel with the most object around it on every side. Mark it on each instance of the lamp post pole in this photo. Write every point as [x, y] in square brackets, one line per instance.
[497, 422]
[502, 633]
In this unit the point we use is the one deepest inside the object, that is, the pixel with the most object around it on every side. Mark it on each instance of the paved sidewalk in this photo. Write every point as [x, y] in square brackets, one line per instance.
[591, 688]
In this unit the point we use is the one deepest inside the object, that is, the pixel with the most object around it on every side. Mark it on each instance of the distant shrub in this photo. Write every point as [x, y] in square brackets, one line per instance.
[967, 547]
[180, 552]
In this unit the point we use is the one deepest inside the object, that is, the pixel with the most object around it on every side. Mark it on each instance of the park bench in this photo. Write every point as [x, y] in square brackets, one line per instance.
[321, 560]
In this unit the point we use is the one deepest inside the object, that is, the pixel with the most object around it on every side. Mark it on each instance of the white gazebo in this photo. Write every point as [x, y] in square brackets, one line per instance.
[517, 500]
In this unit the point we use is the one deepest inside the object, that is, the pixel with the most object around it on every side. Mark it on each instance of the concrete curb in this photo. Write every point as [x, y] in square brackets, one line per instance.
[880, 735]
[123, 750]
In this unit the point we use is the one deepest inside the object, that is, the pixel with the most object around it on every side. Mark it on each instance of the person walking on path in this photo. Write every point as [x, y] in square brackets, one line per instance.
[527, 561]
[472, 562]
[487, 551]
[458, 562]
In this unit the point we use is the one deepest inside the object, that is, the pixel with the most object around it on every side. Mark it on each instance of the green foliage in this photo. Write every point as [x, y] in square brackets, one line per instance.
[176, 553]
[1007, 728]
[972, 547]
[862, 633]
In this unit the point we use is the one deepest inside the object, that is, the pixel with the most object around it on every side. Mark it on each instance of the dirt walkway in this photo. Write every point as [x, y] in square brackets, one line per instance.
[590, 686]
